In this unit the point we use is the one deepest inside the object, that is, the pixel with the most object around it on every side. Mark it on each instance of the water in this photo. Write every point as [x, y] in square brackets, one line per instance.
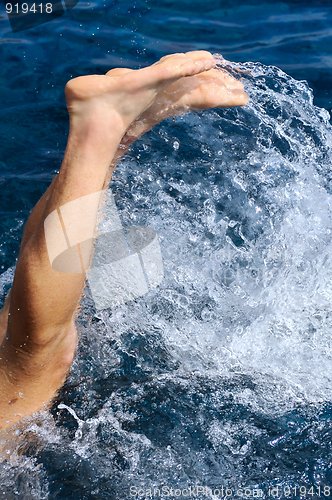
[221, 377]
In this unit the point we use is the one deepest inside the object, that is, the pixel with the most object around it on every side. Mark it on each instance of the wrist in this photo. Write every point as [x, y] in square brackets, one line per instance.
[95, 134]
[97, 122]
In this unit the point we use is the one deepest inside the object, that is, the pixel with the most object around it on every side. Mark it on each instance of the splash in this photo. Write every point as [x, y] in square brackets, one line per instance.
[244, 212]
[223, 372]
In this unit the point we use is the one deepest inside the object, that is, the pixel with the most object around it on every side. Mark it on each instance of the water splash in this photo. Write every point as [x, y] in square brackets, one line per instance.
[244, 212]
[223, 373]
[80, 423]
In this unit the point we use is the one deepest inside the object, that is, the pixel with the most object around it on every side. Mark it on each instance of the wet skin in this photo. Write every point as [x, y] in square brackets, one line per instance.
[107, 113]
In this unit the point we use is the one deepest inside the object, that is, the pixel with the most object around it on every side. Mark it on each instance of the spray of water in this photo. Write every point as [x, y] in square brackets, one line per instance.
[223, 368]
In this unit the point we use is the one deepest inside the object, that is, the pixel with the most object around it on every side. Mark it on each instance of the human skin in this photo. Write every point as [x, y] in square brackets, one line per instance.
[107, 113]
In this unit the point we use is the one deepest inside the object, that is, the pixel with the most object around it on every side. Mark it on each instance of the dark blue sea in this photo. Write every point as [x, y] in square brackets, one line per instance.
[216, 384]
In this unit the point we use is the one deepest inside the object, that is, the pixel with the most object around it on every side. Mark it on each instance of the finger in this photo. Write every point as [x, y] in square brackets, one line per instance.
[118, 71]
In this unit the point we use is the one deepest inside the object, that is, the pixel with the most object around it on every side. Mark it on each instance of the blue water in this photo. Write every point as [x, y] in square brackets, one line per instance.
[221, 377]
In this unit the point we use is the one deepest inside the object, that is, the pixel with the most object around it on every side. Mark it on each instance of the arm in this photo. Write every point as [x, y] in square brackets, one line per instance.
[41, 337]
[40, 342]
[29, 229]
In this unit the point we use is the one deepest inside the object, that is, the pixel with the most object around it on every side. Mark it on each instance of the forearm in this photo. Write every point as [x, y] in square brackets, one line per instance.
[35, 215]
[39, 209]
[85, 169]
[42, 295]
[29, 228]
[89, 153]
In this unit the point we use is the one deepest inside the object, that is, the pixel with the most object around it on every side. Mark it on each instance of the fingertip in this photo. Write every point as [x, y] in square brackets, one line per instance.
[245, 99]
[210, 63]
